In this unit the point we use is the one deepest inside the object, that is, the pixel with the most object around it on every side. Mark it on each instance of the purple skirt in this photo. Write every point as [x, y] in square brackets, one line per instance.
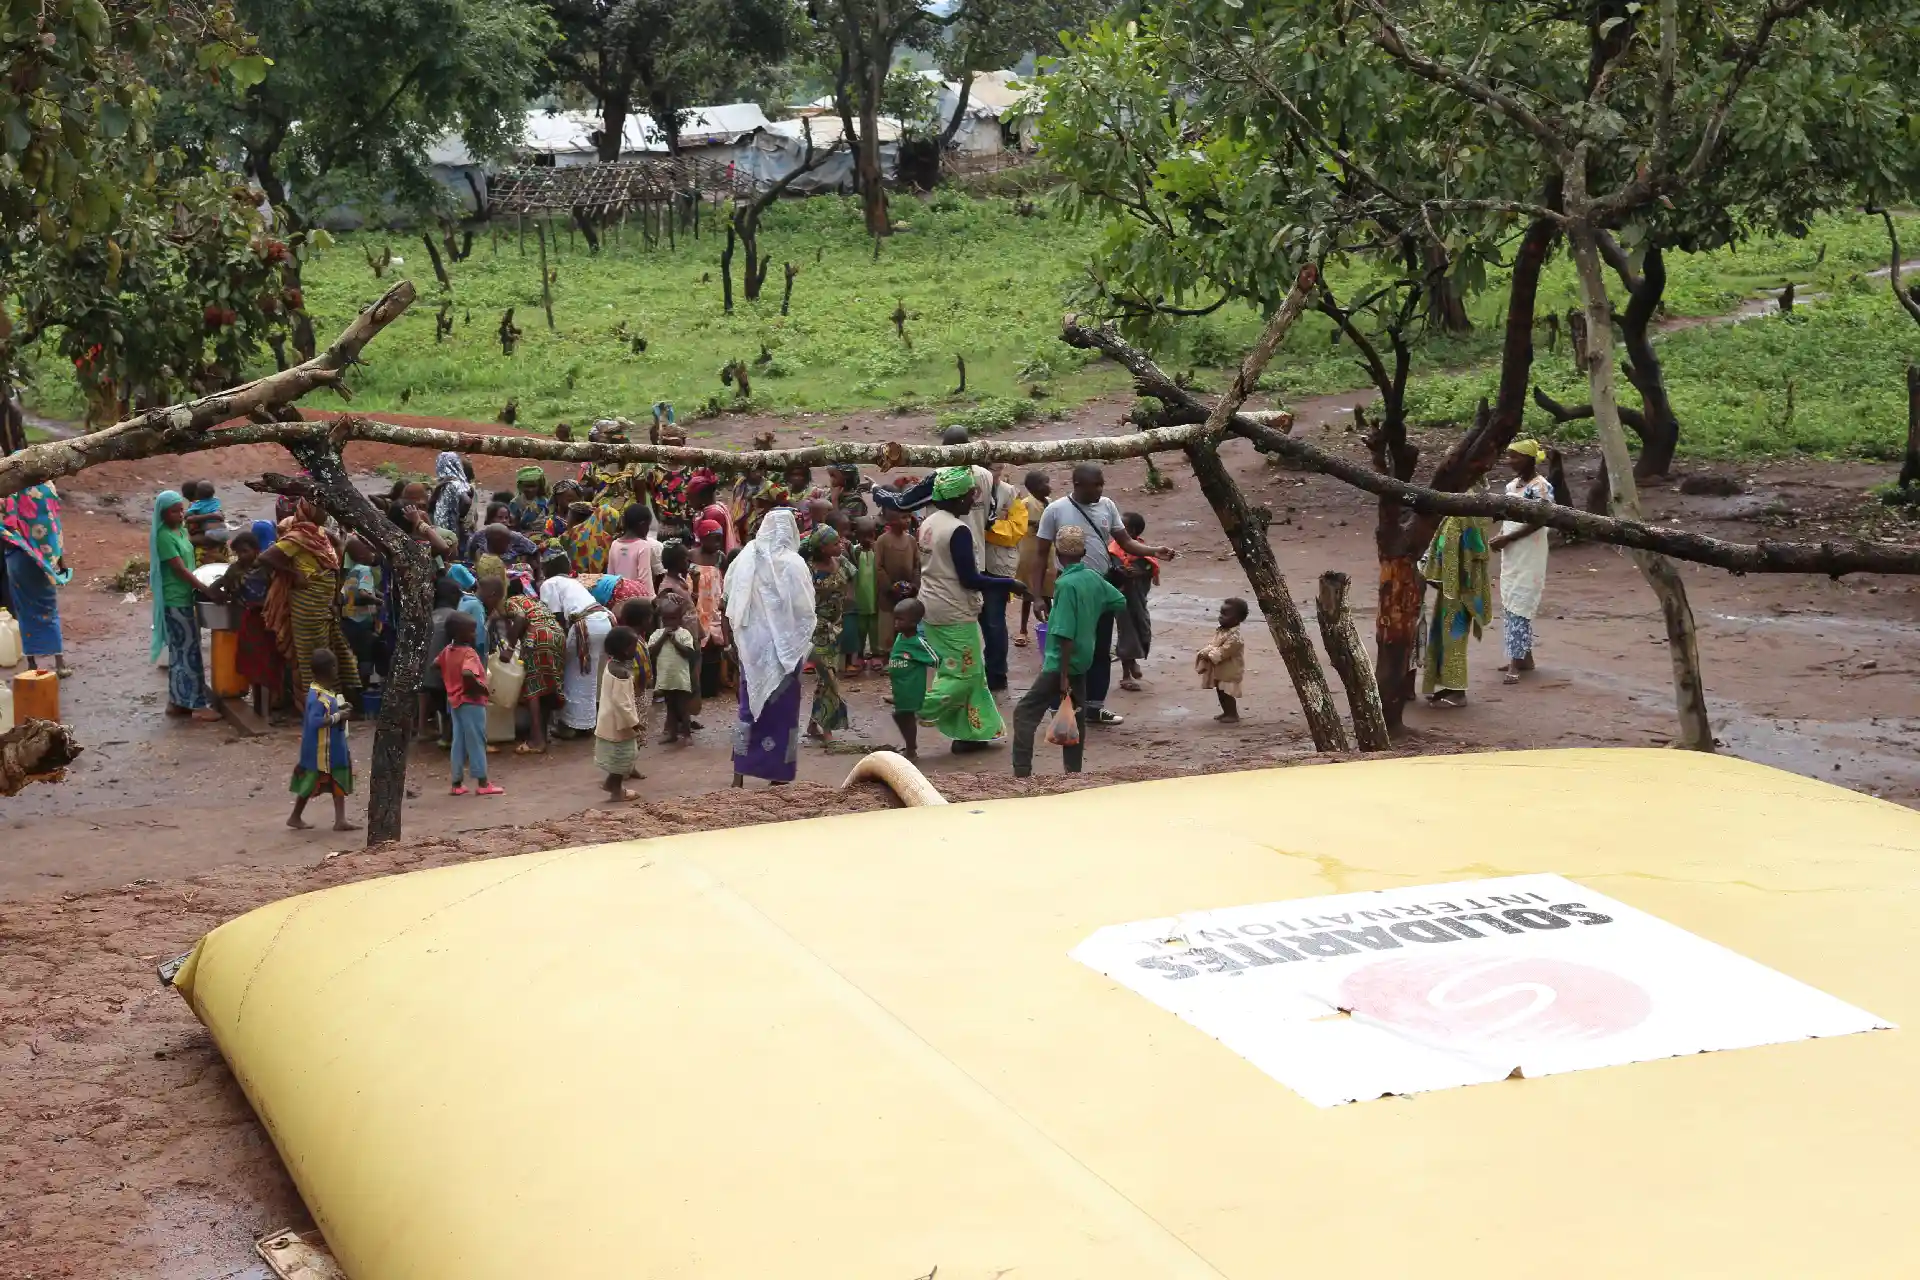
[770, 746]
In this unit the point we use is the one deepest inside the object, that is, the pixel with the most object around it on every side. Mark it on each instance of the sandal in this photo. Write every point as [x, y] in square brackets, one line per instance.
[528, 749]
[488, 789]
[1512, 677]
[1020, 641]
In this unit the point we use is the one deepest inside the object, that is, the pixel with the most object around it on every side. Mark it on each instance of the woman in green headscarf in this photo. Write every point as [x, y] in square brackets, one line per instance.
[528, 511]
[1456, 565]
[176, 626]
[958, 703]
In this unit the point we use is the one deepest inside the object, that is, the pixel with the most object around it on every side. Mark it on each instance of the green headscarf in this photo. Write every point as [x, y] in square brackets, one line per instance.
[951, 482]
[157, 572]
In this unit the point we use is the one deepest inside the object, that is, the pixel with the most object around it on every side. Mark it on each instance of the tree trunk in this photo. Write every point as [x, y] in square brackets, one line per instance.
[873, 185]
[439, 267]
[1471, 457]
[411, 566]
[613, 127]
[1477, 451]
[726, 273]
[584, 220]
[948, 134]
[1395, 630]
[1248, 534]
[1660, 427]
[1910, 466]
[546, 277]
[1447, 306]
[1349, 658]
[1696, 731]
[843, 103]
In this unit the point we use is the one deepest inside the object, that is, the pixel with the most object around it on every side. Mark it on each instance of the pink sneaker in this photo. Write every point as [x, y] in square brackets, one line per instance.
[488, 789]
[457, 791]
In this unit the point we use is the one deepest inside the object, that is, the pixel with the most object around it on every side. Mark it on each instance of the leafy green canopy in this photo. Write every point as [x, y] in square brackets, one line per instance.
[666, 56]
[138, 261]
[1224, 140]
[359, 89]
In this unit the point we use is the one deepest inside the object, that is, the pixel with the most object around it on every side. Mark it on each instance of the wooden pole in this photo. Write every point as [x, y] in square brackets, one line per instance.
[1683, 646]
[1910, 464]
[328, 482]
[546, 279]
[1342, 642]
[520, 225]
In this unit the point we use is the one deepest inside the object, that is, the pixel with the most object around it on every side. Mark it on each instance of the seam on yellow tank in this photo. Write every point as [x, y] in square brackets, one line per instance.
[1149, 1236]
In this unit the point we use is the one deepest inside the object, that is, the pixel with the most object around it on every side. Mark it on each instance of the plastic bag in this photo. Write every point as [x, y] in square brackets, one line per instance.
[1064, 731]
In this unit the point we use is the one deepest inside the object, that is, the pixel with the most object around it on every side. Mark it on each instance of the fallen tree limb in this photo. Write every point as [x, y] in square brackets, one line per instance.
[1186, 413]
[886, 455]
[179, 428]
[1833, 558]
[37, 751]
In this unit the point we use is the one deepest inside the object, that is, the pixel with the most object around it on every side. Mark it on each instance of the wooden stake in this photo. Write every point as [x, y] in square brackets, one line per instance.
[1683, 646]
[329, 484]
[1342, 643]
[546, 279]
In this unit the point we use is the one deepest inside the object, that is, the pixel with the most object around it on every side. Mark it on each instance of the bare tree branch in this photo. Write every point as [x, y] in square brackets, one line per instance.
[177, 428]
[1904, 295]
[1832, 558]
[1652, 179]
[1390, 37]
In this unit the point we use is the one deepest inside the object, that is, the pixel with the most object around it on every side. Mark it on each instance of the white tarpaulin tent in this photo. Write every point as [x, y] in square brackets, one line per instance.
[781, 148]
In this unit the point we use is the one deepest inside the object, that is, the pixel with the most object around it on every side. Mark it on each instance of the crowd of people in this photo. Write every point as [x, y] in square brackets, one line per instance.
[623, 595]
[622, 589]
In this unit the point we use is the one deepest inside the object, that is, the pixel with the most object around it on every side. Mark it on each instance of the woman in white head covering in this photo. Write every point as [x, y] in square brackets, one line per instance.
[452, 495]
[587, 622]
[770, 618]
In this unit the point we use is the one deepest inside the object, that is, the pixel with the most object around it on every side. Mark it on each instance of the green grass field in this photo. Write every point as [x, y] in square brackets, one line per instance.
[975, 279]
[979, 281]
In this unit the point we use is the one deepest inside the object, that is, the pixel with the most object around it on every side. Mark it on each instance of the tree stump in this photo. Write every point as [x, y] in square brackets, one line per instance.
[1342, 642]
[37, 751]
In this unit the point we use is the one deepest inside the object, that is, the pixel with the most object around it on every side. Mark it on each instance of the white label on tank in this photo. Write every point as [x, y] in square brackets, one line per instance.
[1364, 995]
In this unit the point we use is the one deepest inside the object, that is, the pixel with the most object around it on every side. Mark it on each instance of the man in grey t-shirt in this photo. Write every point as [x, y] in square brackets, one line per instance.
[1083, 506]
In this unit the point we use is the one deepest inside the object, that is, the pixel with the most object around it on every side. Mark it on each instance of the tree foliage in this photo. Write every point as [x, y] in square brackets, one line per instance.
[120, 249]
[359, 89]
[665, 56]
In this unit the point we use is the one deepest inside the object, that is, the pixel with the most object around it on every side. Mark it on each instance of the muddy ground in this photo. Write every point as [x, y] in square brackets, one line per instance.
[124, 1146]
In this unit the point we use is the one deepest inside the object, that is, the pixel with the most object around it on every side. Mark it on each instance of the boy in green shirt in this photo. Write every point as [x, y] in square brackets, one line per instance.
[912, 658]
[1080, 599]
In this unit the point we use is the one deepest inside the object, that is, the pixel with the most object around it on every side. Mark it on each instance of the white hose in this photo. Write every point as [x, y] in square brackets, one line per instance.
[894, 769]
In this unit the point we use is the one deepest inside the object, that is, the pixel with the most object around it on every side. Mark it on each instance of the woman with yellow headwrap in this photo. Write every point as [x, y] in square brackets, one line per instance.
[1523, 558]
[958, 704]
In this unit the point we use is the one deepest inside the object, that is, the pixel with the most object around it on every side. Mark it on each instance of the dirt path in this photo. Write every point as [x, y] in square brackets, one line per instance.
[1812, 675]
[125, 1147]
